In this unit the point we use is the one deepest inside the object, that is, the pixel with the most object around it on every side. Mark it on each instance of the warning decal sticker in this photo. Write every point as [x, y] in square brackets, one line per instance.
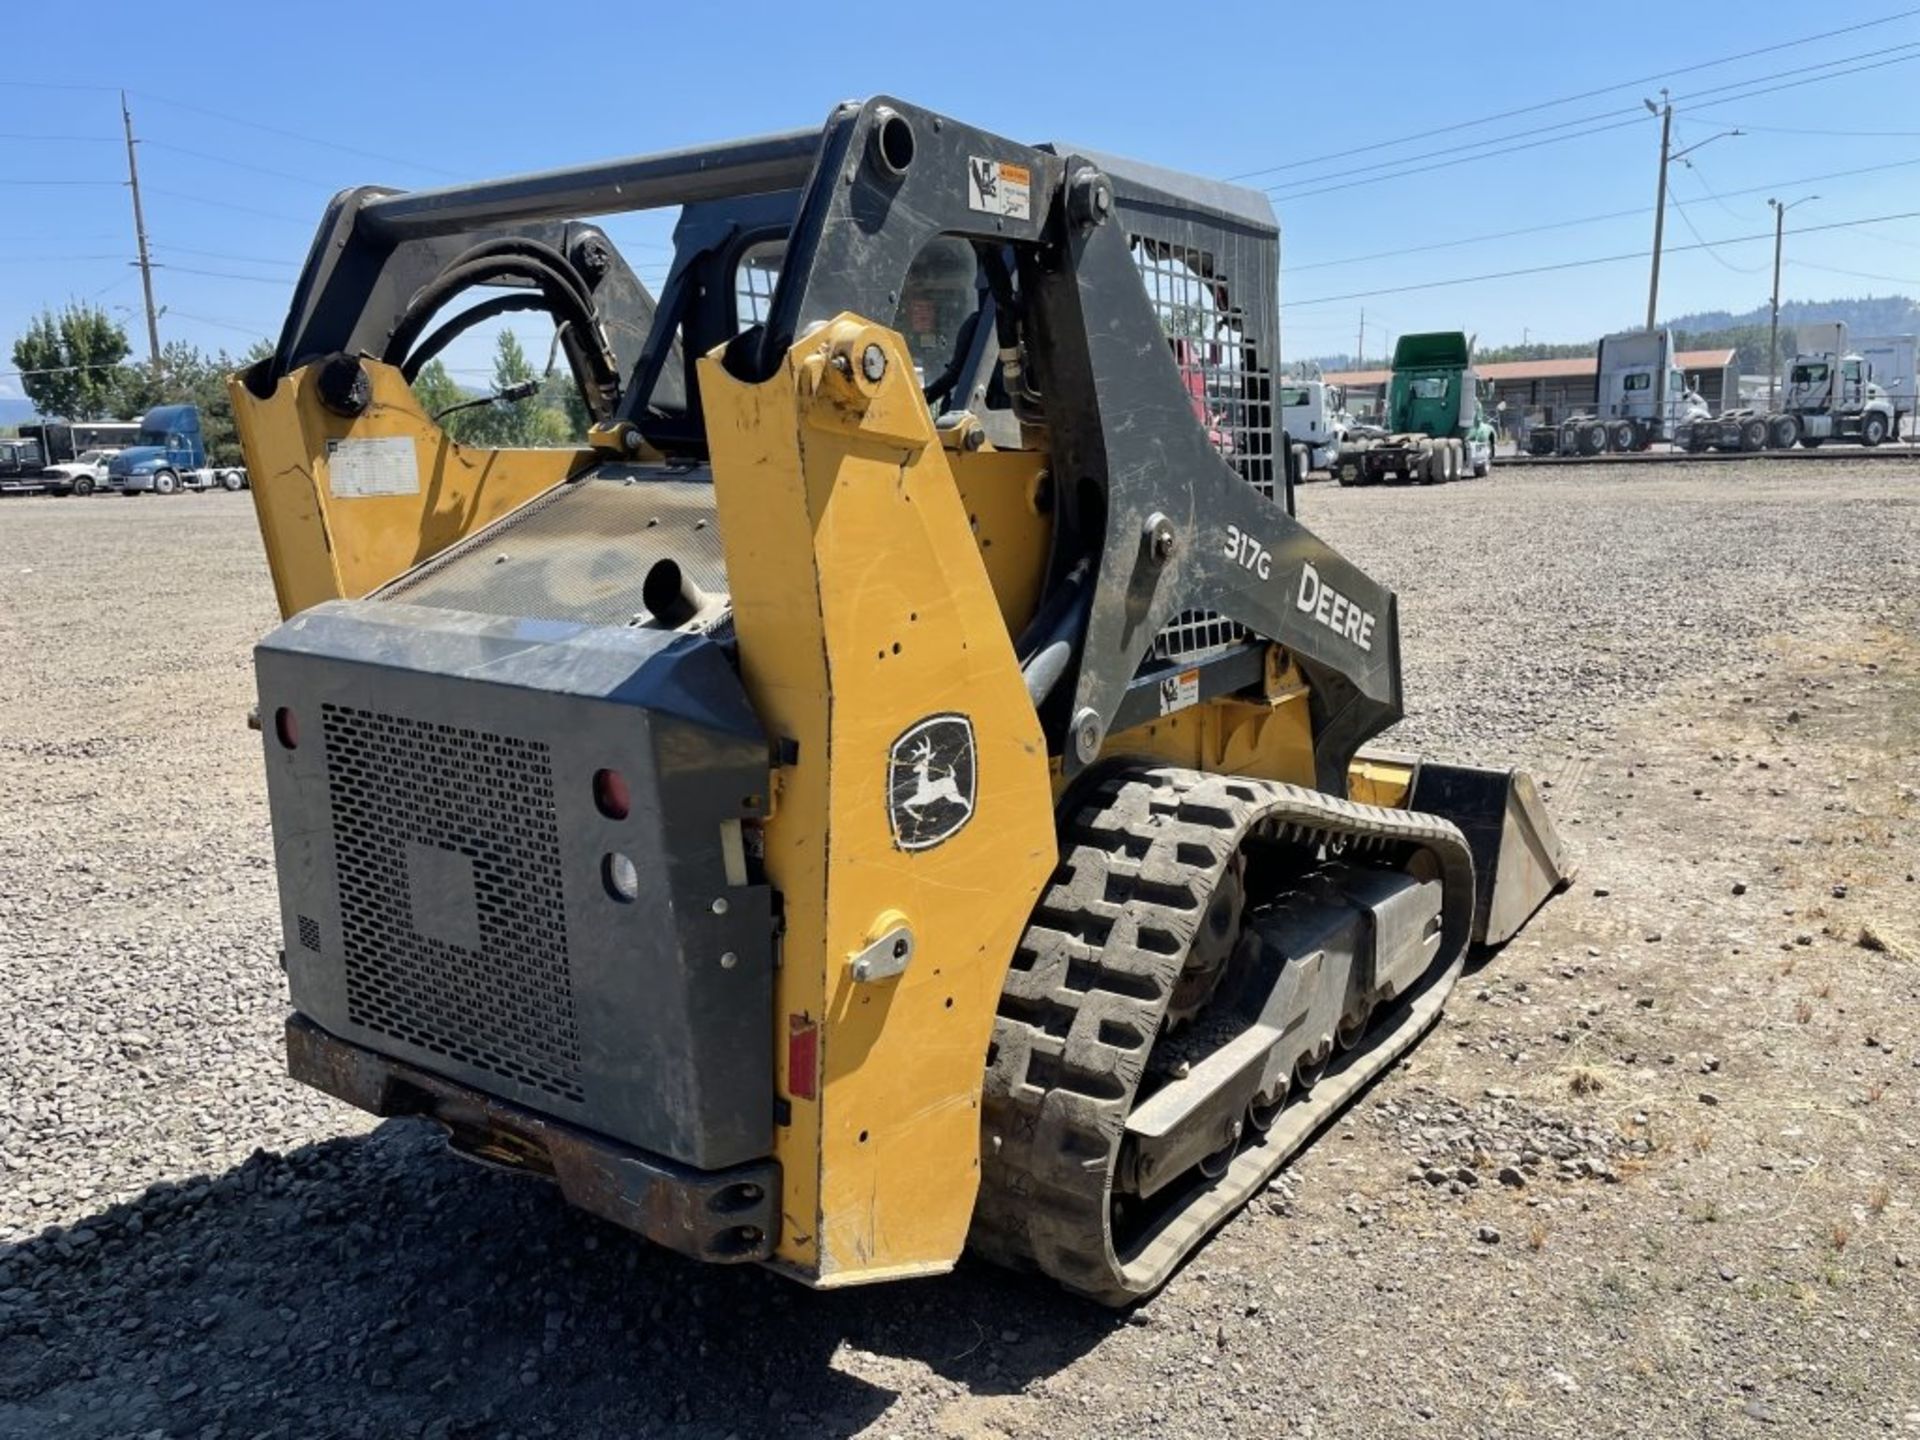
[998, 187]
[1177, 692]
[385, 465]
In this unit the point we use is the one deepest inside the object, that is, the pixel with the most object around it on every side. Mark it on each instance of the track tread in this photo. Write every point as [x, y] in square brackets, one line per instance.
[1093, 977]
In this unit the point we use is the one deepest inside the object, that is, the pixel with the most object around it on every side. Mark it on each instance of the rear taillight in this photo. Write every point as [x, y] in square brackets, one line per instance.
[610, 794]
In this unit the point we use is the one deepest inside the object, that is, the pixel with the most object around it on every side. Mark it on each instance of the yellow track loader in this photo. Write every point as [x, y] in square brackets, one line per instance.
[899, 784]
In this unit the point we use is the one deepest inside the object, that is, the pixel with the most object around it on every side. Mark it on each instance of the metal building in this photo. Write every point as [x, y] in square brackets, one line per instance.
[1549, 390]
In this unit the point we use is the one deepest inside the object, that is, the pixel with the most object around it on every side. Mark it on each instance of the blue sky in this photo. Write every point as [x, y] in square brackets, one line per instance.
[417, 94]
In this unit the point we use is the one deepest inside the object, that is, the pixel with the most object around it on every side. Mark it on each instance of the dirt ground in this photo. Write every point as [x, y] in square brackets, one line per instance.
[1654, 1174]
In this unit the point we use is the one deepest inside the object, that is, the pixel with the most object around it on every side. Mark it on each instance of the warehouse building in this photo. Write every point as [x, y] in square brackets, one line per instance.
[1546, 391]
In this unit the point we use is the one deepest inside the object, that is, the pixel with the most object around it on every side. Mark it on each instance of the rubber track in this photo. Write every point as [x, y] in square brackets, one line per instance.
[1091, 980]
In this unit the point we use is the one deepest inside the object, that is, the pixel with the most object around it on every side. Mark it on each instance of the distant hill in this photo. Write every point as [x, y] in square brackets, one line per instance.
[1744, 333]
[16, 412]
[1875, 315]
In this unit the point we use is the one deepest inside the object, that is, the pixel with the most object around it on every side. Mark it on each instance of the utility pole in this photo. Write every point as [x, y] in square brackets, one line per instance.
[1360, 345]
[1773, 330]
[140, 235]
[1667, 155]
[1665, 111]
[1773, 327]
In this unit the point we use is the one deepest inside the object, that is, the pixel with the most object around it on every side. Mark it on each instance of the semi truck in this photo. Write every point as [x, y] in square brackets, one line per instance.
[170, 456]
[1832, 392]
[1640, 397]
[1436, 428]
[1314, 419]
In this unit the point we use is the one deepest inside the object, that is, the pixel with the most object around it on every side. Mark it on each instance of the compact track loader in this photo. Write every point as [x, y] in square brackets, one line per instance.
[900, 785]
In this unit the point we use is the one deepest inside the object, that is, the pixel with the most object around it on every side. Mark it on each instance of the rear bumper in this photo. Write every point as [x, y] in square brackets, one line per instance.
[724, 1216]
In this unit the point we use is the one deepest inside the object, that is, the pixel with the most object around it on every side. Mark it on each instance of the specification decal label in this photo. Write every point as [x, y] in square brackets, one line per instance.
[386, 465]
[999, 188]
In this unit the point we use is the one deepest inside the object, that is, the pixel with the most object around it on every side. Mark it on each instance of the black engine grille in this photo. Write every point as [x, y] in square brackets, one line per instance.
[419, 806]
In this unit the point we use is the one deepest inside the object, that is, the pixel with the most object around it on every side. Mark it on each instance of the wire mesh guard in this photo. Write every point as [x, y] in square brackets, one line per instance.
[754, 278]
[432, 811]
[1228, 385]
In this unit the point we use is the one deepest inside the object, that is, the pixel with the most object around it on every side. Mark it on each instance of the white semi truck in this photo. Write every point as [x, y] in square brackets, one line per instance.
[1313, 416]
[1640, 396]
[1832, 391]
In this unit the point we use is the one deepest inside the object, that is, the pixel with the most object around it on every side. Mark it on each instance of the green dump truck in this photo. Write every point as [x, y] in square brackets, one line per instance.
[1436, 428]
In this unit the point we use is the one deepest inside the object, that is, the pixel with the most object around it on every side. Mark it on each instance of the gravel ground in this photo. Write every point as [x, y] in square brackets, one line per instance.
[1654, 1175]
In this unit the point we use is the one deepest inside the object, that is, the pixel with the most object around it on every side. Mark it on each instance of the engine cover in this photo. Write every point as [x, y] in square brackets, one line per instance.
[511, 852]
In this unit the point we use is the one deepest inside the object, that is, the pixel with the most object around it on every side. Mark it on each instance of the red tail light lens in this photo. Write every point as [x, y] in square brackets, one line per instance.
[286, 726]
[610, 794]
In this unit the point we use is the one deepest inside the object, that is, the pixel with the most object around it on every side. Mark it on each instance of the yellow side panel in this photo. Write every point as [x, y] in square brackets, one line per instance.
[325, 542]
[863, 606]
[1001, 490]
[1270, 738]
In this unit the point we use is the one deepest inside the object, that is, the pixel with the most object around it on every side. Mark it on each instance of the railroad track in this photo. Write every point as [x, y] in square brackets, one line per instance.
[1906, 450]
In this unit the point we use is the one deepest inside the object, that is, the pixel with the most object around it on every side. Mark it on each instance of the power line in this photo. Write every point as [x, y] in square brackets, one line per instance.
[258, 332]
[1796, 84]
[1581, 95]
[1597, 219]
[1710, 245]
[1470, 240]
[1690, 102]
[1693, 169]
[296, 135]
[61, 182]
[55, 85]
[223, 274]
[1460, 160]
[1633, 110]
[1899, 240]
[1399, 160]
[57, 259]
[1590, 261]
[57, 370]
[1857, 274]
[1832, 134]
[223, 255]
[90, 139]
[240, 164]
[225, 205]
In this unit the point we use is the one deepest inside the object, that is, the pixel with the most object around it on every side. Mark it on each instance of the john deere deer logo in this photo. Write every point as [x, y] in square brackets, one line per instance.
[930, 781]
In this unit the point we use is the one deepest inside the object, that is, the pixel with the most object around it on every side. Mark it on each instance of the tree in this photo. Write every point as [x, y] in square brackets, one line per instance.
[188, 376]
[70, 362]
[435, 389]
[561, 395]
[510, 424]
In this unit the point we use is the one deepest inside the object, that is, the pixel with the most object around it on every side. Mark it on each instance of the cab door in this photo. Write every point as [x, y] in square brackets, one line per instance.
[1853, 385]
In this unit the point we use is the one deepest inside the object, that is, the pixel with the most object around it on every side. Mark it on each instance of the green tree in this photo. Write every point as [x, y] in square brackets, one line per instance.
[188, 376]
[435, 389]
[560, 395]
[511, 424]
[70, 362]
